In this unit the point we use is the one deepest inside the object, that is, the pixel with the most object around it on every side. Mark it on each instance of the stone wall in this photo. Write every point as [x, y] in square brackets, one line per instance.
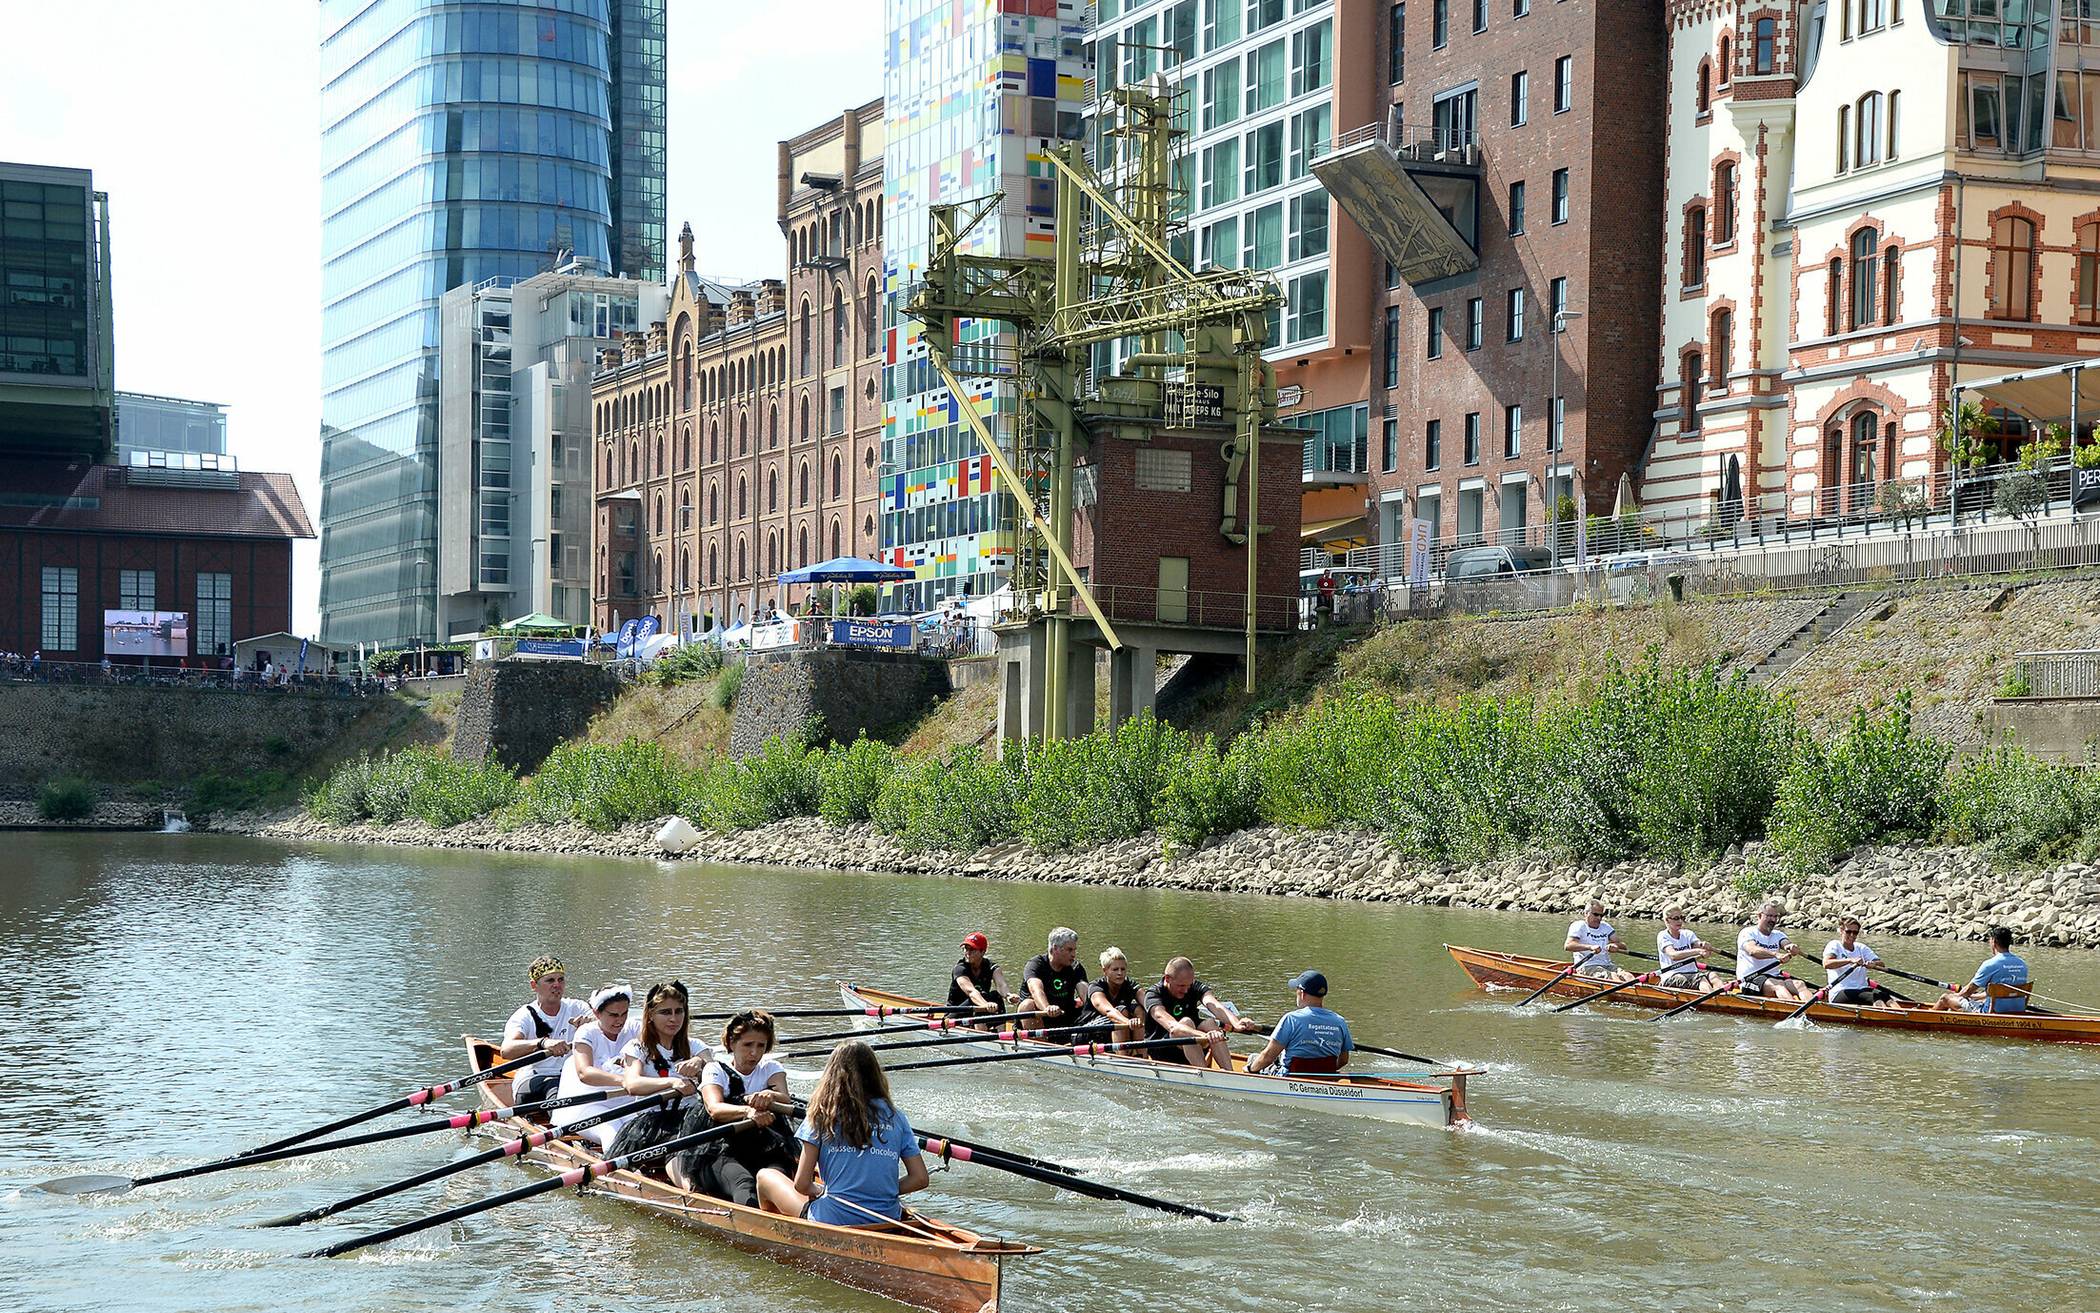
[2059, 729]
[836, 694]
[124, 733]
[516, 712]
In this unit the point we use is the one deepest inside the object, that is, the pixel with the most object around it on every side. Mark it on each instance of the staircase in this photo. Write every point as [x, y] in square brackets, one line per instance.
[1837, 613]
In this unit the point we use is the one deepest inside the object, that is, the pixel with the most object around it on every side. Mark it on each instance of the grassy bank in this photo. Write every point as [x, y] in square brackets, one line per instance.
[1647, 763]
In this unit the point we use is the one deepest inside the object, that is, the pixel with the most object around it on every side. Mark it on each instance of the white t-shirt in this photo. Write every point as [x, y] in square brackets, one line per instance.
[605, 1055]
[574, 1012]
[1594, 941]
[1850, 977]
[1746, 964]
[1667, 943]
[717, 1074]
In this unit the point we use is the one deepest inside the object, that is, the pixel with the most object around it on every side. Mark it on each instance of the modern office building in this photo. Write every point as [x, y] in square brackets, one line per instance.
[1263, 84]
[459, 142]
[514, 436]
[168, 425]
[973, 92]
[57, 362]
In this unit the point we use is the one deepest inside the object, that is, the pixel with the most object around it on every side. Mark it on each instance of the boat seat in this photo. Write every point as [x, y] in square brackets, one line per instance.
[1999, 989]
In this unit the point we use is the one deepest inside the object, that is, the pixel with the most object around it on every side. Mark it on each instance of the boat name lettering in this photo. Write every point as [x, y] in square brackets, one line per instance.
[1326, 1091]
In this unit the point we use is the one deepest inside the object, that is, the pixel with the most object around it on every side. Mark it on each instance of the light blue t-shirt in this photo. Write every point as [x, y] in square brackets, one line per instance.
[1312, 1033]
[867, 1177]
[2003, 969]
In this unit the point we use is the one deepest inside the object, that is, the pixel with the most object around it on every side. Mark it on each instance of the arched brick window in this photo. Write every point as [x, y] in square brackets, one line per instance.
[2012, 268]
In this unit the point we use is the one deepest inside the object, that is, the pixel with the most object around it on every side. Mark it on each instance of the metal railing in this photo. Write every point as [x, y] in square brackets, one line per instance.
[1423, 144]
[1197, 608]
[2065, 674]
[21, 669]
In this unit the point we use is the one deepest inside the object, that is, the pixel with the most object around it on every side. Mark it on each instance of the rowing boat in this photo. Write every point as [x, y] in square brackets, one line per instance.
[1515, 971]
[919, 1261]
[1440, 1101]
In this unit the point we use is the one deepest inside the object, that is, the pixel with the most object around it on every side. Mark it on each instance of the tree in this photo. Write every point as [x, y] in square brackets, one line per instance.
[1963, 435]
[2023, 492]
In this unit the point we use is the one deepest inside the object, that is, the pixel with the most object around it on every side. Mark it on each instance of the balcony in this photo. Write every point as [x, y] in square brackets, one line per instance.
[1415, 192]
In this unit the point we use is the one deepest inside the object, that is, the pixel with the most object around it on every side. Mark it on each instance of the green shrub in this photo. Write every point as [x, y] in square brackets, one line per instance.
[1879, 780]
[849, 780]
[783, 780]
[727, 685]
[1710, 755]
[247, 791]
[958, 803]
[67, 798]
[605, 786]
[1211, 794]
[277, 745]
[684, 664]
[423, 783]
[340, 799]
[1075, 793]
[2020, 808]
[1318, 767]
[1759, 882]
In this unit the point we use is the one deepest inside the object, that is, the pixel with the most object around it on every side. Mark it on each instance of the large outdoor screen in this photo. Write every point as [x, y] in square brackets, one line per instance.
[146, 633]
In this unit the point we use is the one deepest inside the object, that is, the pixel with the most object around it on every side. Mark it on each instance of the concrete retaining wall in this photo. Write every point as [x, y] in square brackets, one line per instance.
[837, 695]
[516, 712]
[2058, 729]
[123, 733]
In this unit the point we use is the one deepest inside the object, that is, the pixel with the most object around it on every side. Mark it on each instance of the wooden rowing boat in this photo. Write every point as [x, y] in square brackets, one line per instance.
[1440, 1101]
[919, 1261]
[1515, 971]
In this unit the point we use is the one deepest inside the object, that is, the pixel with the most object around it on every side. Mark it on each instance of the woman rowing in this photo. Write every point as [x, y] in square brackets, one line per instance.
[977, 982]
[658, 1059]
[1847, 959]
[857, 1141]
[741, 1085]
[546, 1023]
[1113, 1000]
[594, 1062]
[1760, 951]
[1680, 951]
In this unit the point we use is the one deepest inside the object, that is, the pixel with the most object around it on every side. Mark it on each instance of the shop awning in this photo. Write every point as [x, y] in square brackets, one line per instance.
[1352, 531]
[2047, 396]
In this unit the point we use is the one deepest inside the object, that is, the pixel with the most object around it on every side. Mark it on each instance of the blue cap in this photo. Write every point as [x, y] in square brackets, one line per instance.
[1312, 982]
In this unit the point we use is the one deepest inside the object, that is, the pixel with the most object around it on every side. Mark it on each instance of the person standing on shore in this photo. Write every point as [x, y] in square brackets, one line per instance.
[547, 1023]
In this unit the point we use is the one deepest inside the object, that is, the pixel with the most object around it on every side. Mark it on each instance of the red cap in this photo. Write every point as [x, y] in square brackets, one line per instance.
[977, 941]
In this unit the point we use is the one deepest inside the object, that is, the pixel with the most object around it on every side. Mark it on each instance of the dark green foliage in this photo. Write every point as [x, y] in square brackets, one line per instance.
[2022, 809]
[67, 798]
[605, 787]
[684, 664]
[851, 779]
[1878, 781]
[423, 783]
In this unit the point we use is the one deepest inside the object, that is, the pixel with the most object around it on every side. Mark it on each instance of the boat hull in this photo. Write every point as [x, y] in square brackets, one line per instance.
[922, 1262]
[1516, 971]
[1440, 1104]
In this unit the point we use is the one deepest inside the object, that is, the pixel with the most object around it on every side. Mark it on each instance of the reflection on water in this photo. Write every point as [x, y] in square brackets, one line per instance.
[184, 996]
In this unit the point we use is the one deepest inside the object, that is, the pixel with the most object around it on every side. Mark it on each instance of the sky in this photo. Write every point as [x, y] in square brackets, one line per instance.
[202, 123]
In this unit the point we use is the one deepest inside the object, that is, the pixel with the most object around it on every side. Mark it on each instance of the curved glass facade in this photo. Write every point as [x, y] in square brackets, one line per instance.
[461, 140]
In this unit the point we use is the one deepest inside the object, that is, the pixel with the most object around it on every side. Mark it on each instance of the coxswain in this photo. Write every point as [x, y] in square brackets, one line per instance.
[658, 1059]
[2001, 984]
[594, 1062]
[856, 1141]
[1174, 1009]
[1114, 1000]
[1056, 984]
[1311, 1040]
[1680, 952]
[1592, 940]
[1848, 959]
[1761, 944]
[547, 1022]
[977, 981]
[742, 1084]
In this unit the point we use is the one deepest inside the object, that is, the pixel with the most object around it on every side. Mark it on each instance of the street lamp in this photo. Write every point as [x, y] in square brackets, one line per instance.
[1556, 434]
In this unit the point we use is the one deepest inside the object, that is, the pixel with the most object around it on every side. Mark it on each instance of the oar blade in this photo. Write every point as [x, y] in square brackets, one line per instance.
[94, 1183]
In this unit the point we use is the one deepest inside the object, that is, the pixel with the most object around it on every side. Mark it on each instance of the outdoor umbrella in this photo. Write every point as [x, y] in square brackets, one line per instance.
[846, 570]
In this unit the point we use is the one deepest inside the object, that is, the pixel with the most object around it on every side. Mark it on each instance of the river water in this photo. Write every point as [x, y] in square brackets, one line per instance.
[184, 996]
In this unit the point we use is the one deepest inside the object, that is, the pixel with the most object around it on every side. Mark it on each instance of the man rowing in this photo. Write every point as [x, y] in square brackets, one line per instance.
[1174, 1009]
[1113, 998]
[1681, 953]
[976, 980]
[546, 1023]
[1592, 940]
[1056, 984]
[1761, 950]
[2001, 984]
[1847, 959]
[1311, 1040]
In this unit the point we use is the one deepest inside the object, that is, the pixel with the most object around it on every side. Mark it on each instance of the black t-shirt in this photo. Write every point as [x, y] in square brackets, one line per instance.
[1185, 1009]
[1063, 988]
[981, 977]
[1125, 999]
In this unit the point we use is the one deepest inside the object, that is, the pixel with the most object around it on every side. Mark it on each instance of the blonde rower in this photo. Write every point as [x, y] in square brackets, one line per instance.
[1679, 951]
[1113, 999]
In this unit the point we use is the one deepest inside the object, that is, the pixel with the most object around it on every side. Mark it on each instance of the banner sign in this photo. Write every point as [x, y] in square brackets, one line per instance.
[563, 649]
[624, 648]
[870, 633]
[1418, 555]
[780, 633]
[2085, 487]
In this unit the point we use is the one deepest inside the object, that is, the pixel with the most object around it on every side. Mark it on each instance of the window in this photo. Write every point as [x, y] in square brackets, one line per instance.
[1312, 57]
[1308, 224]
[1263, 13]
[1433, 445]
[2012, 268]
[1764, 59]
[214, 614]
[1221, 94]
[1894, 114]
[1480, 15]
[1472, 438]
[1261, 238]
[1436, 332]
[1723, 69]
[1221, 22]
[1396, 45]
[1516, 209]
[2088, 304]
[1519, 99]
[1308, 307]
[1221, 172]
[1439, 24]
[1309, 130]
[1476, 323]
[1221, 245]
[1392, 347]
[1834, 291]
[1865, 269]
[1264, 165]
[1695, 246]
[1702, 96]
[838, 412]
[802, 337]
[61, 628]
[1724, 203]
[1519, 8]
[1564, 84]
[1265, 73]
[1891, 280]
[1389, 445]
[1512, 432]
[1867, 138]
[1694, 375]
[1556, 423]
[1560, 196]
[1721, 338]
[1515, 332]
[1556, 301]
[135, 590]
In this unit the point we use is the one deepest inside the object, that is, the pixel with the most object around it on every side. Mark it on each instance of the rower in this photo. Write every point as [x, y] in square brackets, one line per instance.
[658, 1059]
[594, 1062]
[1056, 984]
[1759, 945]
[1312, 1041]
[2001, 984]
[976, 980]
[1174, 1009]
[1592, 940]
[1680, 951]
[742, 1084]
[1114, 1001]
[1847, 959]
[856, 1139]
[546, 1023]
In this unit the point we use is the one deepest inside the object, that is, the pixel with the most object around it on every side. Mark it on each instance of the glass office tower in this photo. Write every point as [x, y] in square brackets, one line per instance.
[459, 142]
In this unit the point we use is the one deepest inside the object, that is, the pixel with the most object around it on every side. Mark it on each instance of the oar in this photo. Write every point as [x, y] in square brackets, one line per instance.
[958, 1143]
[983, 1157]
[1647, 979]
[1733, 987]
[1269, 1027]
[944, 1041]
[575, 1176]
[863, 1011]
[508, 1149]
[1923, 980]
[1577, 965]
[76, 1185]
[1046, 1051]
[414, 1099]
[929, 1023]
